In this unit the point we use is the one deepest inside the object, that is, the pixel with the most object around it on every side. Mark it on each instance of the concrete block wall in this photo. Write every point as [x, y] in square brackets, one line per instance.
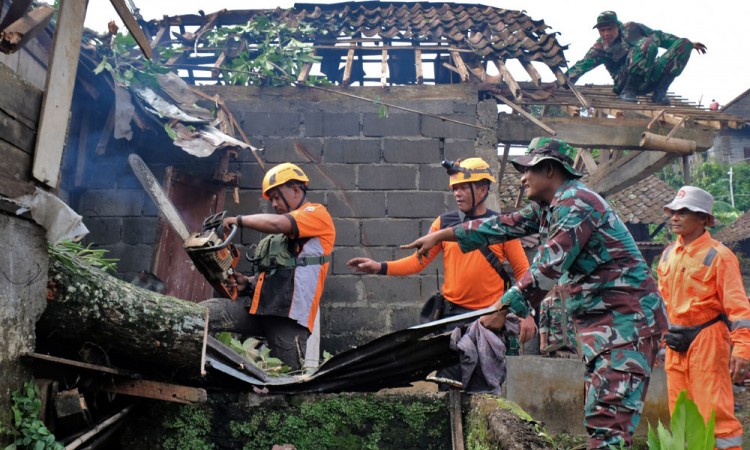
[379, 176]
[376, 169]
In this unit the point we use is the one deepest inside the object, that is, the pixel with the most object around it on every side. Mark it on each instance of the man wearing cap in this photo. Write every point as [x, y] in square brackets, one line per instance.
[612, 298]
[700, 281]
[630, 53]
[473, 280]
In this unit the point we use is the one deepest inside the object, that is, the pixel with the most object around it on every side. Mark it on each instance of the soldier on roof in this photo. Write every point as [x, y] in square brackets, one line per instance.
[629, 52]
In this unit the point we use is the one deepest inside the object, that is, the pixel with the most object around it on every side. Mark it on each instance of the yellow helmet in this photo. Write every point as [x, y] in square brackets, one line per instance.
[282, 174]
[468, 171]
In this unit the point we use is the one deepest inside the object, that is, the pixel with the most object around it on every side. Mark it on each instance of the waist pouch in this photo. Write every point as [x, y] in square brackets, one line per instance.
[680, 338]
[432, 309]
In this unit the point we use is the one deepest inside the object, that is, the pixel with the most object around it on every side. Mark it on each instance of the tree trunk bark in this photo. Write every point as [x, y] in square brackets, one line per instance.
[131, 325]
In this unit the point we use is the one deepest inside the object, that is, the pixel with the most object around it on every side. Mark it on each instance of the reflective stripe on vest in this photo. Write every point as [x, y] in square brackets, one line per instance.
[666, 252]
[710, 256]
[735, 441]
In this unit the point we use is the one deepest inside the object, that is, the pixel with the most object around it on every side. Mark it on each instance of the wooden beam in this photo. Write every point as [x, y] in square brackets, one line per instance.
[621, 134]
[158, 391]
[79, 364]
[563, 80]
[460, 65]
[418, 64]
[132, 25]
[22, 30]
[58, 92]
[588, 160]
[677, 125]
[655, 119]
[348, 66]
[515, 88]
[457, 429]
[383, 67]
[525, 114]
[531, 70]
[628, 170]
[17, 10]
[503, 165]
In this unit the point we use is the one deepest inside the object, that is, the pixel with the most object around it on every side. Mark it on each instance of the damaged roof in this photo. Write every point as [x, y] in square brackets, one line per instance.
[737, 231]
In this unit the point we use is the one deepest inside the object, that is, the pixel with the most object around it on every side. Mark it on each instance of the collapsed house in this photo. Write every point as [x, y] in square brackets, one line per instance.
[409, 84]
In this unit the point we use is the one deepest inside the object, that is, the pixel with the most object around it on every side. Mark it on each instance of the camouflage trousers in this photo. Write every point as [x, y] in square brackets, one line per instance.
[615, 387]
[644, 62]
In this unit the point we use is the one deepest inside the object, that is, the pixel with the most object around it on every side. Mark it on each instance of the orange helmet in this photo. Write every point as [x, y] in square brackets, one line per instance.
[468, 171]
[282, 174]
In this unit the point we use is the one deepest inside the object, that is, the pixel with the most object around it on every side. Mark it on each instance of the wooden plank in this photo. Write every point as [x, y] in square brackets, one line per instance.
[16, 133]
[525, 114]
[158, 391]
[56, 103]
[655, 119]
[17, 10]
[628, 170]
[677, 125]
[79, 364]
[460, 65]
[348, 66]
[531, 70]
[383, 67]
[457, 429]
[304, 72]
[588, 160]
[621, 134]
[132, 25]
[509, 80]
[418, 64]
[18, 33]
[562, 79]
[18, 99]
[503, 165]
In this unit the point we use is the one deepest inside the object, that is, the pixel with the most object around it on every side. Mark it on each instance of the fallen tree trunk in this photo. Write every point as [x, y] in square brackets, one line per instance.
[142, 328]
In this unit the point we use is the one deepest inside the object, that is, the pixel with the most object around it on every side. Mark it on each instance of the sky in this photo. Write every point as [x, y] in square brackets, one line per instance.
[721, 74]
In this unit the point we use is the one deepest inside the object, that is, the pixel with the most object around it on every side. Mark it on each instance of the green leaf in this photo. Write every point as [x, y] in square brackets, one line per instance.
[224, 337]
[103, 65]
[170, 132]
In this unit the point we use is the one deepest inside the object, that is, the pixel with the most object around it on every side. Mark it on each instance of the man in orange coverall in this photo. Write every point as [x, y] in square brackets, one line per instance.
[472, 282]
[700, 281]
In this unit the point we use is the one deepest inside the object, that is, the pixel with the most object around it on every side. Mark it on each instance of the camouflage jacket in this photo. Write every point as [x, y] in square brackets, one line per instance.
[551, 321]
[615, 56]
[613, 299]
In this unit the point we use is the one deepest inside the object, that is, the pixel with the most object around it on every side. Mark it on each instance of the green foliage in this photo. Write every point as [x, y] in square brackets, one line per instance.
[689, 429]
[270, 53]
[713, 176]
[255, 351]
[347, 422]
[189, 428]
[30, 432]
[72, 255]
[124, 60]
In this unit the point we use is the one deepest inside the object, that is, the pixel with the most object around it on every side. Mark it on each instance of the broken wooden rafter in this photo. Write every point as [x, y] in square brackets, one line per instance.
[563, 80]
[628, 170]
[458, 61]
[655, 119]
[132, 25]
[345, 81]
[531, 70]
[383, 67]
[18, 33]
[588, 160]
[515, 88]
[304, 72]
[676, 126]
[525, 114]
[157, 390]
[418, 64]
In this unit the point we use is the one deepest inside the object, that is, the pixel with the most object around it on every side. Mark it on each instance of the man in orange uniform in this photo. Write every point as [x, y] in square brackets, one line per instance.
[285, 301]
[472, 281]
[700, 281]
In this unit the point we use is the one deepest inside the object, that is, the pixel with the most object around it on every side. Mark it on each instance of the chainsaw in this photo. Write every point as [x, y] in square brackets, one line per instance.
[211, 251]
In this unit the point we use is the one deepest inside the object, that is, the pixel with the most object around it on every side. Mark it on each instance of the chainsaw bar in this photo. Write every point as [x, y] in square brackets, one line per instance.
[157, 194]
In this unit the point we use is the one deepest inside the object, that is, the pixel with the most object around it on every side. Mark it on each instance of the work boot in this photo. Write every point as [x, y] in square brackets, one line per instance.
[660, 90]
[630, 91]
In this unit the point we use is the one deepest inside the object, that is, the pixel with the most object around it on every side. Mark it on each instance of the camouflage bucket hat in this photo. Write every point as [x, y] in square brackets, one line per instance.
[606, 18]
[542, 148]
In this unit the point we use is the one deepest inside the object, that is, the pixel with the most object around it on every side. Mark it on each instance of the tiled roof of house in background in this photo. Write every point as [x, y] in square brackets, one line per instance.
[642, 202]
[737, 231]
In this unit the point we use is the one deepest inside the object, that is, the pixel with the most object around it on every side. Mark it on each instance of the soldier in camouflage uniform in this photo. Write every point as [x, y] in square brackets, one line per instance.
[618, 313]
[629, 52]
[557, 333]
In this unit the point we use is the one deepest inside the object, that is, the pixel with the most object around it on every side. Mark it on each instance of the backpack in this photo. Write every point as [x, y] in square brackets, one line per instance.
[275, 252]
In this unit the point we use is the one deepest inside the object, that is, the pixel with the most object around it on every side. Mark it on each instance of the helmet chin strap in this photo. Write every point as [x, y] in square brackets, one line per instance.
[301, 202]
[474, 203]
